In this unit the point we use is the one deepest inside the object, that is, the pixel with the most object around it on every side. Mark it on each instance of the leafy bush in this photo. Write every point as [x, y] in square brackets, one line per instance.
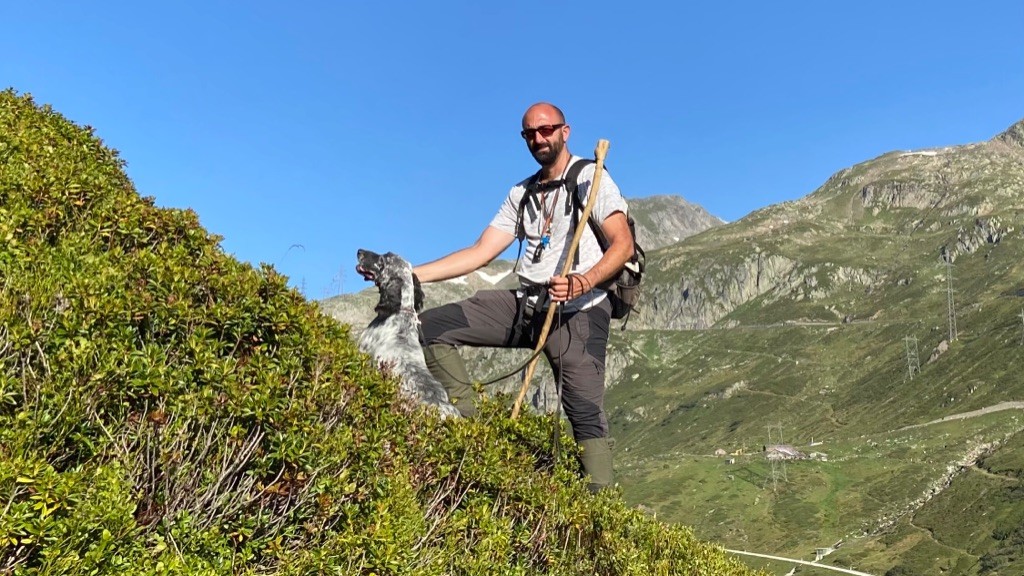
[165, 409]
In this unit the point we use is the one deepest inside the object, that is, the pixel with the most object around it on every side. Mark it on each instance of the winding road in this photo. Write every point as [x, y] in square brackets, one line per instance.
[1009, 405]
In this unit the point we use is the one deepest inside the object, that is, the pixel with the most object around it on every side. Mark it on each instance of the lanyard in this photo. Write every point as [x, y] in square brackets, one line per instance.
[545, 231]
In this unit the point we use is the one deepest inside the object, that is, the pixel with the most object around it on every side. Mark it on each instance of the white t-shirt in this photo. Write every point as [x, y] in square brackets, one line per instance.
[557, 204]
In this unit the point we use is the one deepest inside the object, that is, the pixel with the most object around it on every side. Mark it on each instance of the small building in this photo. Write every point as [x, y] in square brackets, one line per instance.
[783, 452]
[719, 453]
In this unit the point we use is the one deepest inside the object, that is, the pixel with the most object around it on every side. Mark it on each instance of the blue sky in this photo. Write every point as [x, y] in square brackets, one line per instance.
[302, 131]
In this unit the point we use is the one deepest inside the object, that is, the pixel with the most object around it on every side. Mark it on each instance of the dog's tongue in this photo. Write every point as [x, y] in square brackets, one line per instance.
[366, 274]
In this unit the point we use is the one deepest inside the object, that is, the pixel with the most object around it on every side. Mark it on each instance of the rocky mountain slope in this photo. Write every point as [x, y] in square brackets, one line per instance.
[961, 196]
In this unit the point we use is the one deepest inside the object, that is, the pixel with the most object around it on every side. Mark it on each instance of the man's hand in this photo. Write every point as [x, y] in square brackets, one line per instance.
[565, 288]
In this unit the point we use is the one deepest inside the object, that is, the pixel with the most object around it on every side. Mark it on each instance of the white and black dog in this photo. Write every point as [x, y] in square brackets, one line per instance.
[392, 338]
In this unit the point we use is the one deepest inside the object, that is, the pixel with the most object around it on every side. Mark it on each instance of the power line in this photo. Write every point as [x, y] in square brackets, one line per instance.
[951, 309]
[913, 364]
[776, 458]
[1022, 326]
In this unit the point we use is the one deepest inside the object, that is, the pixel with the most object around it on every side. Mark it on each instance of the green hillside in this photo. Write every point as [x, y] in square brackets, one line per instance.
[857, 323]
[165, 409]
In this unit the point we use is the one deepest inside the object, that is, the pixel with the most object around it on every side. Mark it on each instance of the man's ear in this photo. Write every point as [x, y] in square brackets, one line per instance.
[417, 294]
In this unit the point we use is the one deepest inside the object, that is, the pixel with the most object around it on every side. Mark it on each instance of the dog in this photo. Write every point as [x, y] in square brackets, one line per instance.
[392, 338]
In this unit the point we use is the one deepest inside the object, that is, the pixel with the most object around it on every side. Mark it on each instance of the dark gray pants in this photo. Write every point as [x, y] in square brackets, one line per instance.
[575, 347]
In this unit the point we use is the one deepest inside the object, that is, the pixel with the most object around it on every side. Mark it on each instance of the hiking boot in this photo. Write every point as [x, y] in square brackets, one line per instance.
[596, 457]
[446, 364]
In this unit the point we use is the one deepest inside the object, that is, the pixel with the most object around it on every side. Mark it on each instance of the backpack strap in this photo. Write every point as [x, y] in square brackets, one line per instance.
[573, 202]
[528, 203]
[572, 186]
[525, 203]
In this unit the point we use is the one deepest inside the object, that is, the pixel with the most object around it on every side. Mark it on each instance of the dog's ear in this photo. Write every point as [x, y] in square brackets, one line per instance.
[417, 294]
[390, 301]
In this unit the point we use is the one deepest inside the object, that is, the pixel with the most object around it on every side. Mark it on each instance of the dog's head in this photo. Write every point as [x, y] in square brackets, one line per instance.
[399, 287]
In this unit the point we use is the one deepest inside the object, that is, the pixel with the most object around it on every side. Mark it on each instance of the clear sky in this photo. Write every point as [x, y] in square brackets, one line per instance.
[302, 131]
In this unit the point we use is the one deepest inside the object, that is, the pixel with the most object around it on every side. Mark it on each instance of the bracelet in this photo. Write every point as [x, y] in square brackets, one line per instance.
[585, 286]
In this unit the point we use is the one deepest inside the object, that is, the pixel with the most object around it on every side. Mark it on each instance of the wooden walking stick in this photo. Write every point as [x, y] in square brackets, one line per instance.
[599, 153]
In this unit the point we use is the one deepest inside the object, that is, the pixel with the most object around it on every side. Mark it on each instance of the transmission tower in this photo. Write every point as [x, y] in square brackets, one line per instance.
[913, 364]
[951, 310]
[778, 463]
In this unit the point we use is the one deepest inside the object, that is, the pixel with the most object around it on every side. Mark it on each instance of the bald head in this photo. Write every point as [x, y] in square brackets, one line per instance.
[544, 113]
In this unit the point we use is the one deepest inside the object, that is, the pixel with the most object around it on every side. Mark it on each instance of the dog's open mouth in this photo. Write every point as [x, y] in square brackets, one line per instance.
[366, 273]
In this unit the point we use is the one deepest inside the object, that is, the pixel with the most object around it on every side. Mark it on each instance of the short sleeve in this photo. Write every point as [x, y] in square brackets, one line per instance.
[507, 218]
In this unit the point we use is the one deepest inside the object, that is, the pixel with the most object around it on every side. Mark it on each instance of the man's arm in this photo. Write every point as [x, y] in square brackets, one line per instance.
[620, 249]
[486, 248]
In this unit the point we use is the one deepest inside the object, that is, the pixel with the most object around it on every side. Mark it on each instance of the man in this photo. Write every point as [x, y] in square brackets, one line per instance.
[576, 345]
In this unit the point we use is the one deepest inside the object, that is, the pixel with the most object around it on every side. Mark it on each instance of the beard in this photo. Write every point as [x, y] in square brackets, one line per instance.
[546, 155]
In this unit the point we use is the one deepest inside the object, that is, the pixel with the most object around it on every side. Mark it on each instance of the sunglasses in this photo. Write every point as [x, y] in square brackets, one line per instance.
[545, 131]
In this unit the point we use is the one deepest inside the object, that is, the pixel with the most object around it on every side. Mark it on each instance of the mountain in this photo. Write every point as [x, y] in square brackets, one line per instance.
[666, 219]
[877, 326]
[959, 197]
[877, 323]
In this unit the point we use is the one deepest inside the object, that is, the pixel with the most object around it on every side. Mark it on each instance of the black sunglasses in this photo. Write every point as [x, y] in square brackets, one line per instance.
[545, 131]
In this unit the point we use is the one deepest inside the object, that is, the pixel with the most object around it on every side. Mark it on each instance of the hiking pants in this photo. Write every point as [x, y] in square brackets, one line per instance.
[575, 347]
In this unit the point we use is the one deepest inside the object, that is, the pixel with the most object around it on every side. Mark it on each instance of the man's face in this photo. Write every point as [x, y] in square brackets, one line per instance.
[545, 134]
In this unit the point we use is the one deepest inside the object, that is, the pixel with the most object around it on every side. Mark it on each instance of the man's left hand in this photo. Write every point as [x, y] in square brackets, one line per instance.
[565, 288]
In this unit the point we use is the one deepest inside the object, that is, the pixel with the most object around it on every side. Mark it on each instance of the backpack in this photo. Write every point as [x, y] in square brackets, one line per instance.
[624, 289]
